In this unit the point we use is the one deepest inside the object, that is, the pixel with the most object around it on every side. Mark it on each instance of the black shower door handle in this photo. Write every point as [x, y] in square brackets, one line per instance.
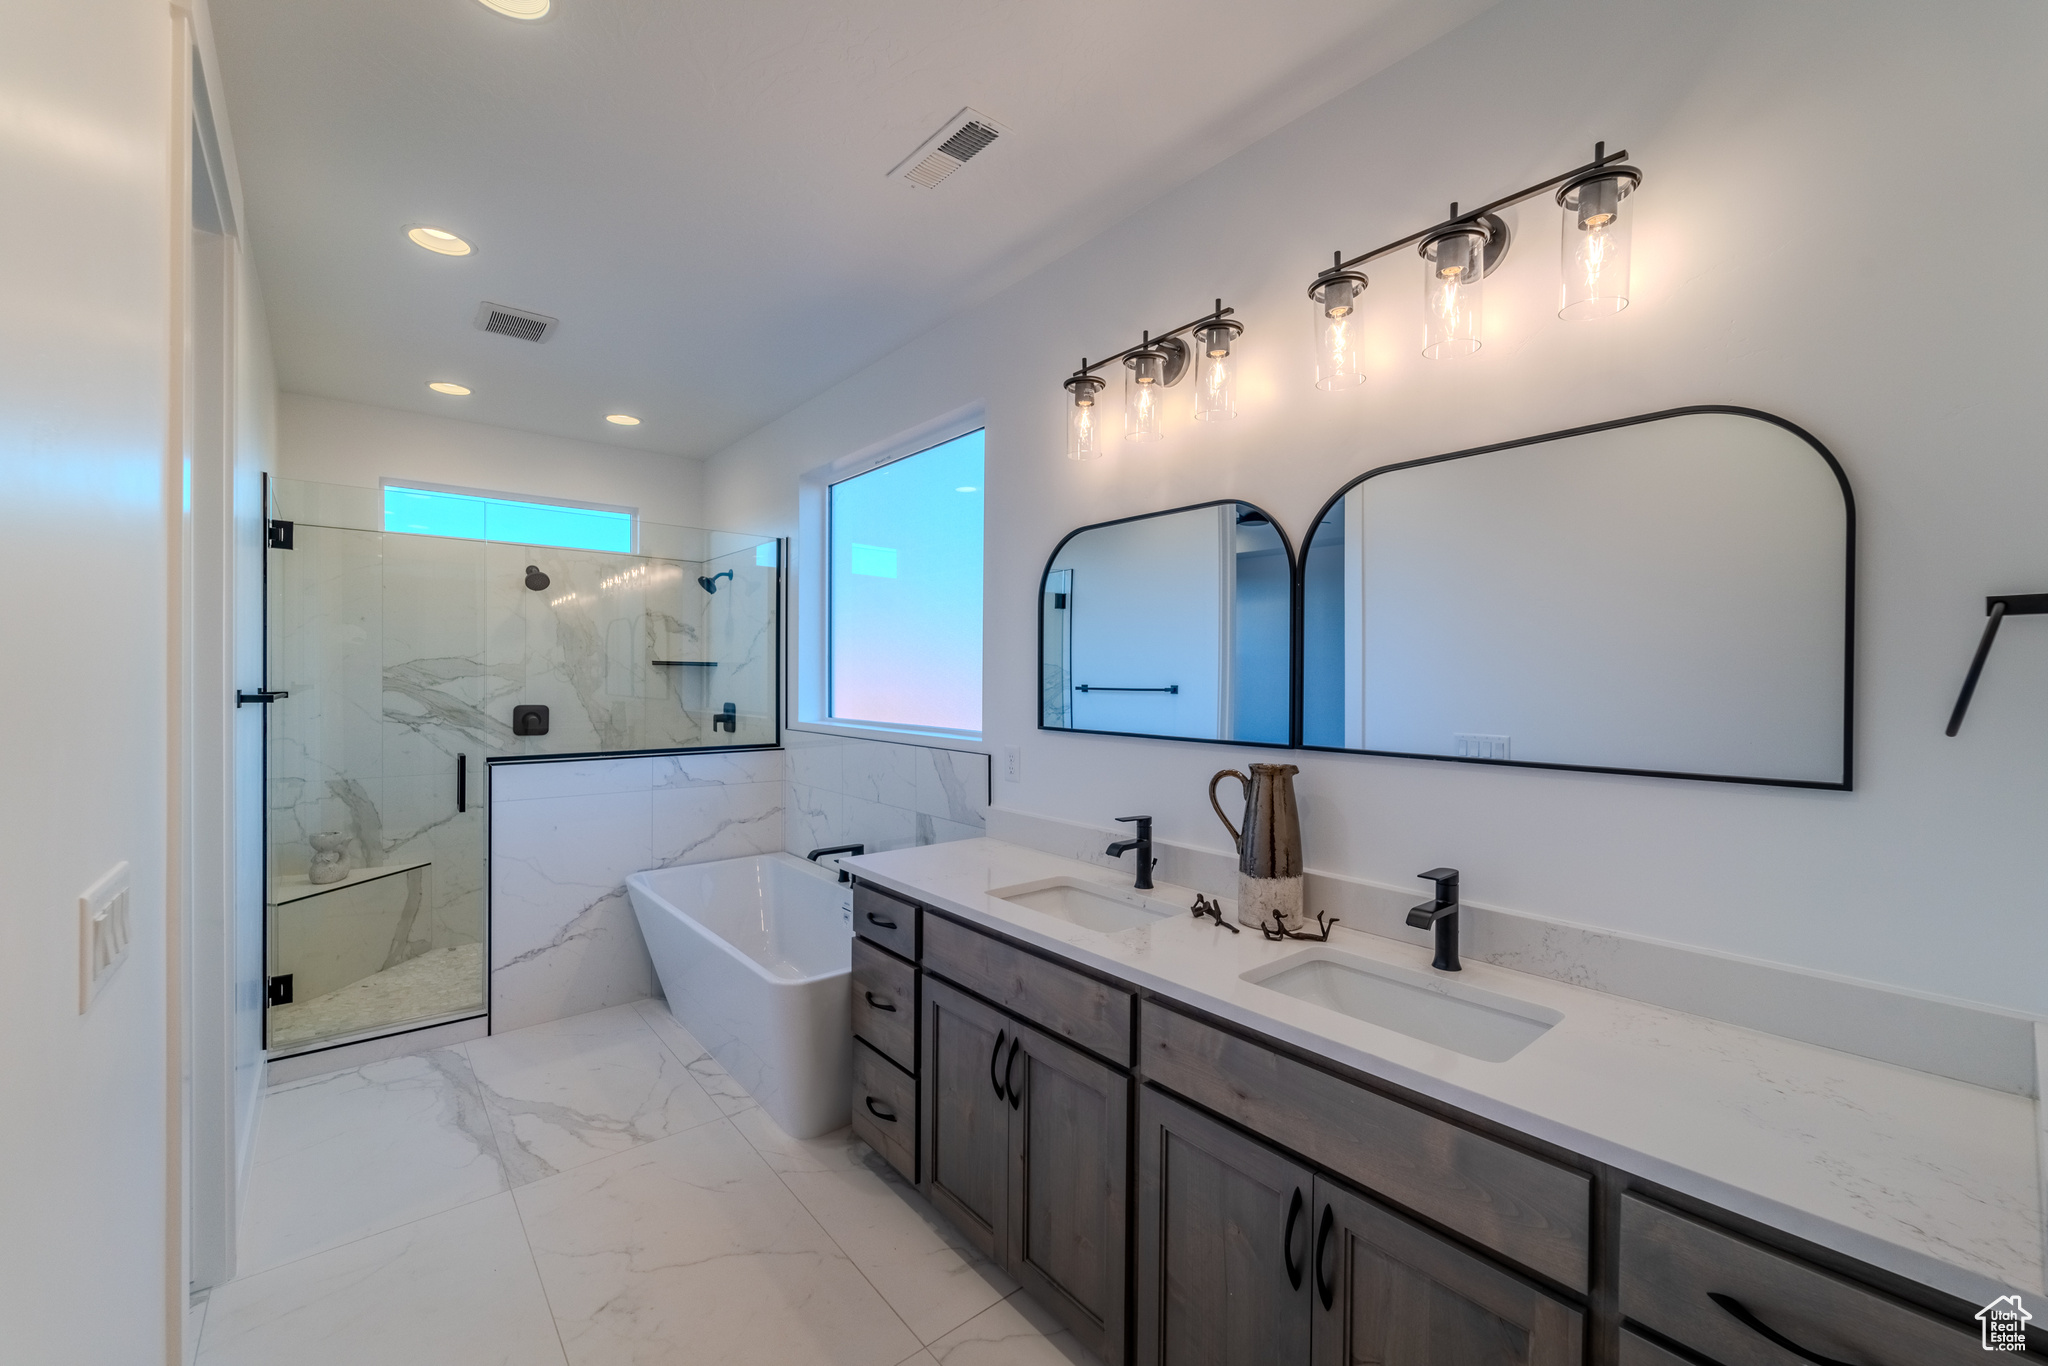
[462, 782]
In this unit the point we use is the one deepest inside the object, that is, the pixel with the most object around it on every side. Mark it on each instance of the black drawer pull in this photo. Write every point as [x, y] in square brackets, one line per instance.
[880, 923]
[1016, 1096]
[1326, 1289]
[886, 1116]
[878, 1005]
[1738, 1311]
[1294, 1268]
[995, 1080]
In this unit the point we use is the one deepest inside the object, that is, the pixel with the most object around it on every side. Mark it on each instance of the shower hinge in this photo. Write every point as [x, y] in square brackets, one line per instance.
[278, 991]
[280, 535]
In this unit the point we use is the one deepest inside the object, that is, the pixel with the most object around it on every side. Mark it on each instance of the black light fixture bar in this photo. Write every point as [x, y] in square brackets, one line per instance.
[1151, 340]
[1601, 157]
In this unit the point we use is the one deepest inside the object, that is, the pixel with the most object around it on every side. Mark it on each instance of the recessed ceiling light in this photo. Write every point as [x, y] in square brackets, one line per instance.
[434, 239]
[520, 9]
[623, 419]
[442, 386]
[966, 488]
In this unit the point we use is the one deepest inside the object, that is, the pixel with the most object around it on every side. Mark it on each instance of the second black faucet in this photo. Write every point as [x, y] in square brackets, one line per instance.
[1143, 844]
[1441, 916]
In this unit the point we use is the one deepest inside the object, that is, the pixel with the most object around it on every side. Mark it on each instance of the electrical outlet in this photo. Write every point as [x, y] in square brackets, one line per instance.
[1013, 764]
[103, 933]
[1479, 746]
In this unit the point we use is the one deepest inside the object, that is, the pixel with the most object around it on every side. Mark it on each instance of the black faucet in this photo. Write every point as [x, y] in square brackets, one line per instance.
[1442, 916]
[1143, 844]
[855, 849]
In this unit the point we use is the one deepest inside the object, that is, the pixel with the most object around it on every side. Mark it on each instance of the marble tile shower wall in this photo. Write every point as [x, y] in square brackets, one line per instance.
[564, 837]
[881, 794]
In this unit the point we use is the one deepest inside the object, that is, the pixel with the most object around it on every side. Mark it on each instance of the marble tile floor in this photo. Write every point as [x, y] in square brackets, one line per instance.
[593, 1191]
[437, 982]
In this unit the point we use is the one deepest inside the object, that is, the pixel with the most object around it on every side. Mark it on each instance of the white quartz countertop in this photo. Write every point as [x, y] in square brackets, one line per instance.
[1929, 1177]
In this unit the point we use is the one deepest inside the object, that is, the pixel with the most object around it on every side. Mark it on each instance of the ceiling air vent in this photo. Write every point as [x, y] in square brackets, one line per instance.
[947, 150]
[515, 322]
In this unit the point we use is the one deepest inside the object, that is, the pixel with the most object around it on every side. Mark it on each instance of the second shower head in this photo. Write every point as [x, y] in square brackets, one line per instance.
[710, 583]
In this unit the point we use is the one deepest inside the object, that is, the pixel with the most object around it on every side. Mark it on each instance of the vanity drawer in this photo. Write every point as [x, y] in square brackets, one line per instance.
[1058, 1000]
[1523, 1207]
[885, 1109]
[1671, 1263]
[885, 1004]
[887, 920]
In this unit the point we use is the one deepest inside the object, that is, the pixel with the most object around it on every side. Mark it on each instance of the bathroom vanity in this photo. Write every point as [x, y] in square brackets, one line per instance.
[1199, 1146]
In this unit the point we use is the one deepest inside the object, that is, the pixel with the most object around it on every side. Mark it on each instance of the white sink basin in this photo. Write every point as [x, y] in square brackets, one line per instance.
[1090, 905]
[1432, 1007]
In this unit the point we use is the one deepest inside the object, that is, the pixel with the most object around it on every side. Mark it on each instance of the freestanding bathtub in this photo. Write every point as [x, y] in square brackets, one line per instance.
[755, 956]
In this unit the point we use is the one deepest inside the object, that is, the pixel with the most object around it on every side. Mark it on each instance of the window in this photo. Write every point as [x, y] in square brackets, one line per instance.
[430, 510]
[905, 591]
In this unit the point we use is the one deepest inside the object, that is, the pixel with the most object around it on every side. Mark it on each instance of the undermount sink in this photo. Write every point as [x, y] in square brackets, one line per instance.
[1465, 1019]
[1090, 905]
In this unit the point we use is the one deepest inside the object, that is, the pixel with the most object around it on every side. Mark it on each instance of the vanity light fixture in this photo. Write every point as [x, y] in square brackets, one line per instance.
[1152, 367]
[1084, 416]
[1337, 294]
[622, 419]
[1216, 375]
[1460, 252]
[440, 241]
[442, 386]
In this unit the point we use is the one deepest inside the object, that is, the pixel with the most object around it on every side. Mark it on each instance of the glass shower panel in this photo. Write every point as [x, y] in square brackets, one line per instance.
[405, 656]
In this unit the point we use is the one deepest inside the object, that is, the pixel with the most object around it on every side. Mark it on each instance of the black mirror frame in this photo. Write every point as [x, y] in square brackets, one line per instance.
[1846, 783]
[1293, 630]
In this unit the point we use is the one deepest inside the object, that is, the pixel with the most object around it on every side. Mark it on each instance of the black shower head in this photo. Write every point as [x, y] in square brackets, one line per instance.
[536, 580]
[710, 585]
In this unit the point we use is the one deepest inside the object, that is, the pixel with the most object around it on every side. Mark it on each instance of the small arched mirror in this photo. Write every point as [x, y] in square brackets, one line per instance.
[1174, 624]
[1669, 595]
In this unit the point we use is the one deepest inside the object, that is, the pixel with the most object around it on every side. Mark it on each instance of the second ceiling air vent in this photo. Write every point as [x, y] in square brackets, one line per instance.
[947, 150]
[515, 322]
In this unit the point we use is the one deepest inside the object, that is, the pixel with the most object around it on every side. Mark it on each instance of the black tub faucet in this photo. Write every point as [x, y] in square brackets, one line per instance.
[1441, 915]
[1143, 844]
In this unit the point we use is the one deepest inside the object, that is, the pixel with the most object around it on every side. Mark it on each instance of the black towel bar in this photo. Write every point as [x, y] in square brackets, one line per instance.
[1997, 608]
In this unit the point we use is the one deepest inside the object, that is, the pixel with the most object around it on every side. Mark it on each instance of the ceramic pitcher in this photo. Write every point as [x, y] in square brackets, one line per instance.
[1269, 881]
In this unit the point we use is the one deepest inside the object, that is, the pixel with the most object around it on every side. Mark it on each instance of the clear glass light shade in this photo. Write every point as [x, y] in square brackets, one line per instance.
[1337, 318]
[1215, 372]
[1595, 245]
[1453, 293]
[1084, 418]
[1144, 395]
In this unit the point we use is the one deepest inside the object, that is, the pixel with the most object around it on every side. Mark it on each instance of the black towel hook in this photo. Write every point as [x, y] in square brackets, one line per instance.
[1997, 608]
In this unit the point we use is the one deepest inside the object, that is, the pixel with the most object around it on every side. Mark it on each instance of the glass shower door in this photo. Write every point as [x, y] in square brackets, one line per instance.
[376, 905]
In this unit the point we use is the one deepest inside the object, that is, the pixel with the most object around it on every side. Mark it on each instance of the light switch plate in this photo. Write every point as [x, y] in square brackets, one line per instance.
[1479, 746]
[1013, 764]
[104, 931]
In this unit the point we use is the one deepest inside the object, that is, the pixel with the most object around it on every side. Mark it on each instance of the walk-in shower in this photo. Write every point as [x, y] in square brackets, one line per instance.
[405, 656]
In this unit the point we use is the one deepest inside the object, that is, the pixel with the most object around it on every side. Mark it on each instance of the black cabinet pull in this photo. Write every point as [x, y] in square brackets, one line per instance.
[462, 782]
[1738, 1311]
[1294, 1268]
[878, 1005]
[887, 1117]
[993, 1059]
[1326, 1289]
[1016, 1096]
[880, 923]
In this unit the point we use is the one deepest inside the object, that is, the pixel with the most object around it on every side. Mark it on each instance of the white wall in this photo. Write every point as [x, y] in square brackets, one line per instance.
[1819, 177]
[85, 99]
[330, 441]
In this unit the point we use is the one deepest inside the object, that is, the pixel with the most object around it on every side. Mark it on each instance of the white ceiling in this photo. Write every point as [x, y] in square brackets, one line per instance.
[699, 191]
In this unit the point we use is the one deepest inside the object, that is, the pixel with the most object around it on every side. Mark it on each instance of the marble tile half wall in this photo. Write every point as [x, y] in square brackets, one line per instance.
[564, 837]
[882, 794]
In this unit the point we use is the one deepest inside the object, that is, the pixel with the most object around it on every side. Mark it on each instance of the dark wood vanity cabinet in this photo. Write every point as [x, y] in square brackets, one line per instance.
[1246, 1257]
[1026, 1143]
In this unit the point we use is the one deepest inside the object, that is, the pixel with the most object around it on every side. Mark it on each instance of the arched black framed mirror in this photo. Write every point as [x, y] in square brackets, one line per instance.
[1175, 624]
[1670, 595]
